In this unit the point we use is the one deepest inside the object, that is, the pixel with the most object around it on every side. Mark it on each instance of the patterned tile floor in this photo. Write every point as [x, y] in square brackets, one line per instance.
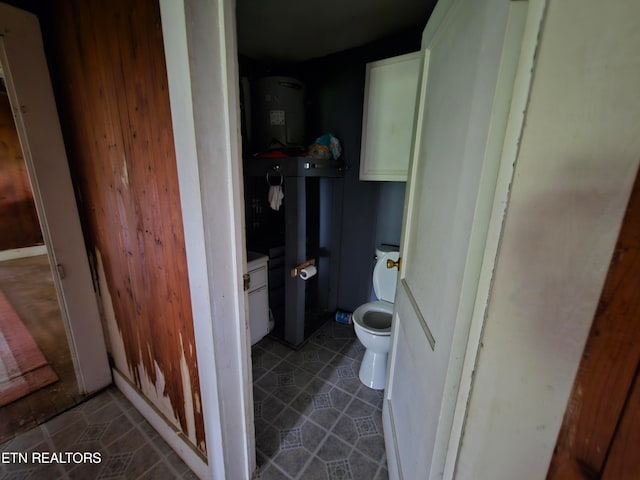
[314, 419]
[107, 423]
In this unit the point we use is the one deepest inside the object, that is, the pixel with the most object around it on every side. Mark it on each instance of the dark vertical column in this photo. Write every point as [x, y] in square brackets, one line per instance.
[295, 253]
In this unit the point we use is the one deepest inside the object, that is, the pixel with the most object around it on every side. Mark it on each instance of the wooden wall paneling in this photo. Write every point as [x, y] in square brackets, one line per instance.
[119, 123]
[623, 462]
[609, 363]
[19, 224]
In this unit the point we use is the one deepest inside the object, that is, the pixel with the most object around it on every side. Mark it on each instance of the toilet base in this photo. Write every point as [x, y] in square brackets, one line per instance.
[373, 370]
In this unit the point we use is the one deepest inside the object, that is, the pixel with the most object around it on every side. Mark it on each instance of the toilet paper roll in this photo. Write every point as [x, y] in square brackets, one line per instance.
[308, 272]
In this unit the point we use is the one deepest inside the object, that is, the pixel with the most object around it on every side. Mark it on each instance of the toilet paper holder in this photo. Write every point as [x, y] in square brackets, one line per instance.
[295, 271]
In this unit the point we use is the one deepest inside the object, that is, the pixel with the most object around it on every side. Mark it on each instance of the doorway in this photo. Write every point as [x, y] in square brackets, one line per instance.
[78, 335]
[37, 378]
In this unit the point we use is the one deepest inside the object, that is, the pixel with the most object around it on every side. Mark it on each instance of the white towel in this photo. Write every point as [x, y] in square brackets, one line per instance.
[275, 197]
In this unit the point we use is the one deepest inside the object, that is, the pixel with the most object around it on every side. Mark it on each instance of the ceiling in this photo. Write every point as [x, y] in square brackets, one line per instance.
[298, 30]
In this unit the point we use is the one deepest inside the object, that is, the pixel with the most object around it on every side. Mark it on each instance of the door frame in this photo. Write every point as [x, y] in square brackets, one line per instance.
[31, 96]
[202, 71]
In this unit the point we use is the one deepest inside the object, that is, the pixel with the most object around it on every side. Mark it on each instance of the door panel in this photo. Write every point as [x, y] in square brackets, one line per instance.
[460, 129]
[29, 87]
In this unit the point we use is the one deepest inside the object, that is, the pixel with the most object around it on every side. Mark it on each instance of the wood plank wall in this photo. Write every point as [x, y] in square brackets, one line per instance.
[19, 225]
[107, 60]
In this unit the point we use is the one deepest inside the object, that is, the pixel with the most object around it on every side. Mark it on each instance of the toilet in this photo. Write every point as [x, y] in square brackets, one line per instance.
[372, 321]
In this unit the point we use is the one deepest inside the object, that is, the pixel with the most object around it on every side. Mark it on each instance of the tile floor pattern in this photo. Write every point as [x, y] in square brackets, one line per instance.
[314, 419]
[107, 423]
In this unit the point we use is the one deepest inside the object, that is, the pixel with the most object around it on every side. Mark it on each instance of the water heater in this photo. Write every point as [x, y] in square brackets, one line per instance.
[278, 114]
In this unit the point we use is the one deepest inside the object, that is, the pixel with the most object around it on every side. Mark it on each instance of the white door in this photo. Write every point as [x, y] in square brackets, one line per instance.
[29, 88]
[463, 111]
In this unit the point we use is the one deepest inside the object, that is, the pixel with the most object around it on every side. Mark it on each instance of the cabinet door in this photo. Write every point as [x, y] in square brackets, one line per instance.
[391, 87]
[259, 314]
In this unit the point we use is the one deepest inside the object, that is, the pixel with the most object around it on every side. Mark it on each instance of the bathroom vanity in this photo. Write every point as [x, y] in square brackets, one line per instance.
[258, 295]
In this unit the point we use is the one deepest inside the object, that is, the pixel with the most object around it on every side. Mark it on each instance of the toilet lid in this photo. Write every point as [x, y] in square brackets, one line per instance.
[385, 279]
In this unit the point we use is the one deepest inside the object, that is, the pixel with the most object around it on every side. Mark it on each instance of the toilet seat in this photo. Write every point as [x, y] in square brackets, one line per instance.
[374, 317]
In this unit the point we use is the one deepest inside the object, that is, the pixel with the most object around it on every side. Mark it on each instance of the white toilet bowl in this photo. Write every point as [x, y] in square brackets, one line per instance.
[372, 323]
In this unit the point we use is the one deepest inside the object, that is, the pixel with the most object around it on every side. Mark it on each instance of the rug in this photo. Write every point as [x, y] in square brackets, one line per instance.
[23, 368]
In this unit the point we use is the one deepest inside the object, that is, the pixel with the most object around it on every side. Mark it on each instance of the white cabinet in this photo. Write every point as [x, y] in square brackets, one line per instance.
[258, 296]
[391, 87]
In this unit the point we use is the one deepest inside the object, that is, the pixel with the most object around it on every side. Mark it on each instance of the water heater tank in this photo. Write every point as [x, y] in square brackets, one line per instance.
[278, 113]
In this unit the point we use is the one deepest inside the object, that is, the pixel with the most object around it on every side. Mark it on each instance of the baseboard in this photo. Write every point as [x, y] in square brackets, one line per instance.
[23, 252]
[166, 431]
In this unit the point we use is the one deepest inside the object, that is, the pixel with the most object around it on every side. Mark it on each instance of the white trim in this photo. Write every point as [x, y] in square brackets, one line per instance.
[23, 252]
[200, 51]
[160, 425]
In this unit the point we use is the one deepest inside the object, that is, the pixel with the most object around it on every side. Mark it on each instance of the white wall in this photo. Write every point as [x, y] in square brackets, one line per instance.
[578, 158]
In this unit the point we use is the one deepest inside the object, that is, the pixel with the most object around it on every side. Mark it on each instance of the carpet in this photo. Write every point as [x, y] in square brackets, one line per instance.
[23, 368]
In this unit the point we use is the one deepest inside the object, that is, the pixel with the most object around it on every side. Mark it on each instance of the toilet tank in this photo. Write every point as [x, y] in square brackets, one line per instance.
[385, 279]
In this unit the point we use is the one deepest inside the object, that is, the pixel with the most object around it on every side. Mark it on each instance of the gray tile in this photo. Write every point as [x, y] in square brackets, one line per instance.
[63, 421]
[87, 470]
[274, 347]
[358, 408]
[271, 472]
[312, 435]
[105, 414]
[143, 459]
[334, 449]
[127, 443]
[288, 418]
[159, 472]
[257, 409]
[290, 438]
[316, 470]
[303, 403]
[345, 428]
[258, 393]
[93, 432]
[97, 402]
[148, 430]
[382, 474]
[292, 461]
[339, 470]
[116, 465]
[65, 439]
[318, 385]
[362, 467]
[162, 446]
[268, 442]
[372, 446]
[351, 385]
[268, 382]
[286, 393]
[131, 453]
[325, 417]
[353, 349]
[19, 475]
[24, 441]
[374, 397]
[340, 399]
[321, 400]
[365, 426]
